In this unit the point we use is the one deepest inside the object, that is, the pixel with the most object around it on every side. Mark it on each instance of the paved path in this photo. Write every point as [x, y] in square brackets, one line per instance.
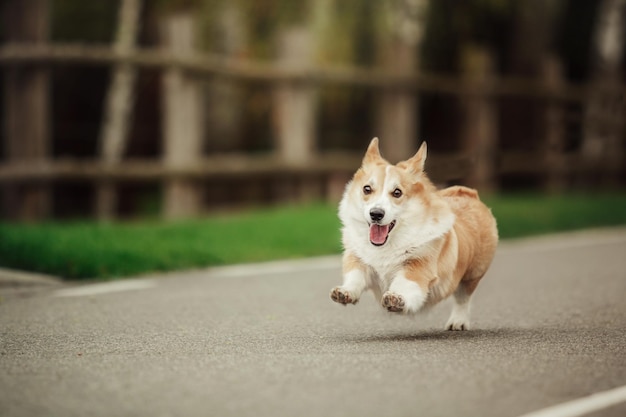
[549, 325]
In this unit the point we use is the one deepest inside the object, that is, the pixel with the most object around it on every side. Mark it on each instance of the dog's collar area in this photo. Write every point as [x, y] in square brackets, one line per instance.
[380, 233]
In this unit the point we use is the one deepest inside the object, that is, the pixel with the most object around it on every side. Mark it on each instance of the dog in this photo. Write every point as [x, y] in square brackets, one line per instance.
[409, 243]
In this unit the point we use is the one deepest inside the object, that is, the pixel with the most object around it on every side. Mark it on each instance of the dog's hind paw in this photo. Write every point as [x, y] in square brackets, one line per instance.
[393, 302]
[342, 296]
[455, 325]
[459, 319]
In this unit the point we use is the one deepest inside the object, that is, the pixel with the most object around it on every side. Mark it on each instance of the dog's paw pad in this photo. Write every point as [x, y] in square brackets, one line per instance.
[342, 296]
[393, 302]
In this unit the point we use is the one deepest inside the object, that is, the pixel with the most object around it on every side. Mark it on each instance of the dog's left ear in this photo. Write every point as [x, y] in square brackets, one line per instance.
[415, 164]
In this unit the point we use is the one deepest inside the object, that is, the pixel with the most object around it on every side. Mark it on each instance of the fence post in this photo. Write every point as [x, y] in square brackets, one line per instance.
[603, 131]
[182, 120]
[480, 127]
[554, 129]
[602, 149]
[294, 104]
[225, 112]
[294, 109]
[27, 110]
[119, 105]
[336, 185]
[397, 109]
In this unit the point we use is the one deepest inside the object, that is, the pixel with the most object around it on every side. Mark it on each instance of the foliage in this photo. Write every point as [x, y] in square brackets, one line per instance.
[347, 30]
[84, 21]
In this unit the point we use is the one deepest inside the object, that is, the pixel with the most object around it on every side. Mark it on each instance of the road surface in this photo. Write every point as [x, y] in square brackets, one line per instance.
[549, 326]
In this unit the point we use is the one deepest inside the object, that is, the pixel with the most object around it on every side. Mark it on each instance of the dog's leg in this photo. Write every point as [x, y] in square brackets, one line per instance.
[354, 282]
[460, 317]
[408, 291]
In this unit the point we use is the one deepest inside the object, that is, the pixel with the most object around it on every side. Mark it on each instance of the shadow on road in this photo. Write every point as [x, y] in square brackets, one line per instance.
[432, 335]
[548, 335]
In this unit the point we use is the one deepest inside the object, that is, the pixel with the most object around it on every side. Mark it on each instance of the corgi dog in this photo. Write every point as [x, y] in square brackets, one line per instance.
[409, 243]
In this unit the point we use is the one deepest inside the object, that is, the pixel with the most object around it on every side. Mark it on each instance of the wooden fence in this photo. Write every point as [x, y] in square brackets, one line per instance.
[27, 171]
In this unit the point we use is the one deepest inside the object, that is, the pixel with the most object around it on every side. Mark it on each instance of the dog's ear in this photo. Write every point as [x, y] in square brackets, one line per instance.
[416, 163]
[372, 154]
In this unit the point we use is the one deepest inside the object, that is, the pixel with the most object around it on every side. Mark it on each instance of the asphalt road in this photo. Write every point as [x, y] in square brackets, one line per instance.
[549, 325]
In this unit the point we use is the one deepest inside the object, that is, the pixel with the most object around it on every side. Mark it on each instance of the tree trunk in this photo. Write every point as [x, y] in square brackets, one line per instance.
[523, 119]
[603, 135]
[119, 104]
[27, 110]
[225, 97]
[480, 118]
[554, 127]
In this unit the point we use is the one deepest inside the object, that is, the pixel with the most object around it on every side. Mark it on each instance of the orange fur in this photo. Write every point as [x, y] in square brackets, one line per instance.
[350, 262]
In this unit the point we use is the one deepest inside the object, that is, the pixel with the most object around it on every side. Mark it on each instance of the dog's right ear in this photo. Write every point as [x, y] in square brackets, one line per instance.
[372, 154]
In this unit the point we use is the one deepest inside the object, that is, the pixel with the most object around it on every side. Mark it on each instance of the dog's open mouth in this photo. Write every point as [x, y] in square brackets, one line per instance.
[379, 233]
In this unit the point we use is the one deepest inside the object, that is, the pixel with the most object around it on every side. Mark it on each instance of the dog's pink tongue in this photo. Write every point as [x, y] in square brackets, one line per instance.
[378, 234]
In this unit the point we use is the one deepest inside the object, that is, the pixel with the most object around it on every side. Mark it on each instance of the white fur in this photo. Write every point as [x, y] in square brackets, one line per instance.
[409, 239]
[459, 319]
[383, 201]
[460, 316]
[412, 294]
[354, 282]
[415, 229]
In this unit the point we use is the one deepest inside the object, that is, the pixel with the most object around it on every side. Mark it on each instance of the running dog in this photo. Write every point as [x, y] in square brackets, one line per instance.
[409, 243]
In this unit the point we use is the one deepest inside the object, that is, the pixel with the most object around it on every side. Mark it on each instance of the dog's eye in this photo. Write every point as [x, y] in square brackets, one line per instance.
[397, 193]
[367, 190]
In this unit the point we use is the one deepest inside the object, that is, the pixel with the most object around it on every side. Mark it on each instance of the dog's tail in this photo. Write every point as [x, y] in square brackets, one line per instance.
[459, 191]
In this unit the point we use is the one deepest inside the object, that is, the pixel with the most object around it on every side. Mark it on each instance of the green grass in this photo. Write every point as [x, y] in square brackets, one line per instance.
[89, 250]
[525, 215]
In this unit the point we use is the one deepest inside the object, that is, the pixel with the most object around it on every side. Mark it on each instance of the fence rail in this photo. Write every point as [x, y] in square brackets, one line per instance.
[212, 65]
[296, 155]
[441, 168]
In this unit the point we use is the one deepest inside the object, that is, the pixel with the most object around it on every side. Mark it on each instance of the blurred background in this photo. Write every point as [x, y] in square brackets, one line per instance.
[175, 108]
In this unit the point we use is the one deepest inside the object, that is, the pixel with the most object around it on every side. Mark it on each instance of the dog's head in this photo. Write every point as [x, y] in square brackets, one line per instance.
[384, 197]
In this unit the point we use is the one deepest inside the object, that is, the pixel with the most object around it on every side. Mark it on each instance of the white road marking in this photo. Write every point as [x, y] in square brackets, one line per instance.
[565, 240]
[277, 267]
[332, 262]
[105, 288]
[584, 405]
[560, 241]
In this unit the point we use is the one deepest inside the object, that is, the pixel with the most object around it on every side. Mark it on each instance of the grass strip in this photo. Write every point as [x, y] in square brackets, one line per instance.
[526, 215]
[78, 250]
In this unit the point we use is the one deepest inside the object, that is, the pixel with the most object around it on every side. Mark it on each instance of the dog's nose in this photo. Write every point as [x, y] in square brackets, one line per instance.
[377, 214]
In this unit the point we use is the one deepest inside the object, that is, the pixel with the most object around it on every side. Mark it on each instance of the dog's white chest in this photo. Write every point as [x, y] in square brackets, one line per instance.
[385, 264]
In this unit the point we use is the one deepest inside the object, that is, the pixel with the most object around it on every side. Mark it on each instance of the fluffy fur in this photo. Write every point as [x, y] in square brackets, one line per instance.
[409, 243]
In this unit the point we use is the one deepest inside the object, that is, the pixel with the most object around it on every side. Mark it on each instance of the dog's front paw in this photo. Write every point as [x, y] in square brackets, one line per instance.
[393, 302]
[343, 296]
